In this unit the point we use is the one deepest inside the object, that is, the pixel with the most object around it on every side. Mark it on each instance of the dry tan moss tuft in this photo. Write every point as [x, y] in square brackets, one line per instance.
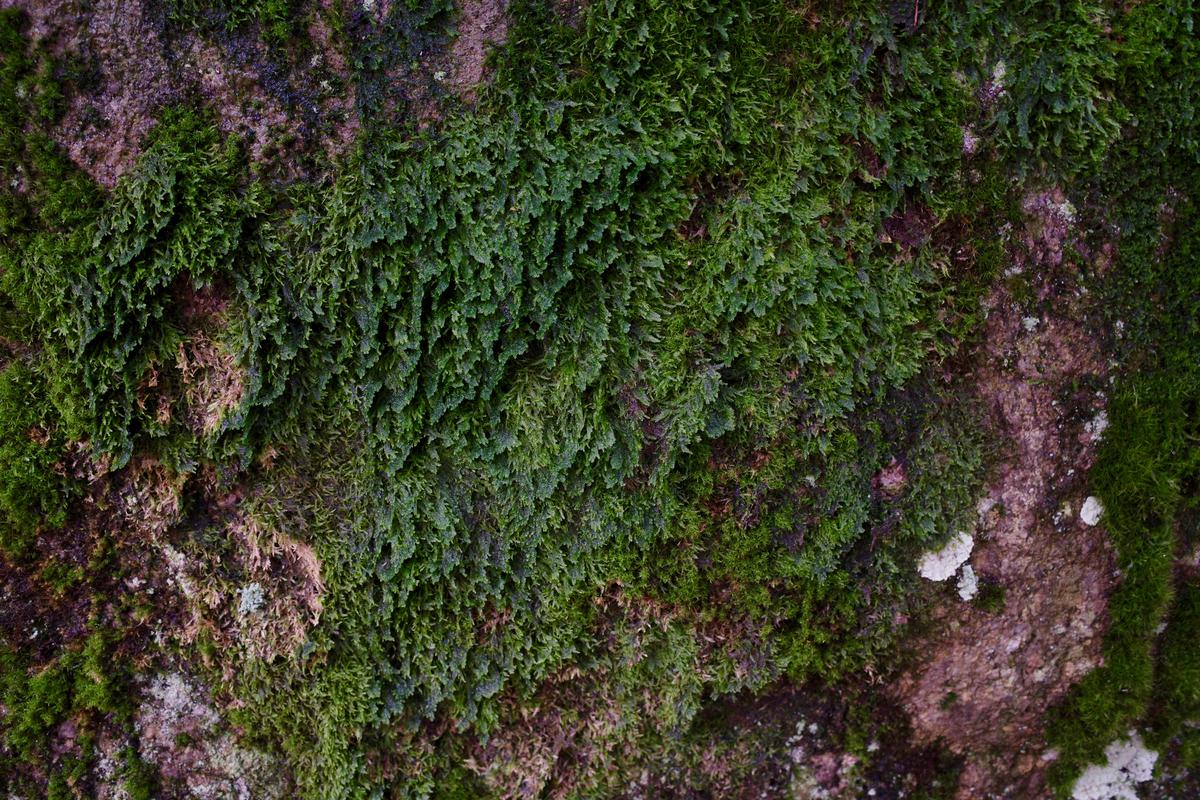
[151, 496]
[285, 574]
[214, 384]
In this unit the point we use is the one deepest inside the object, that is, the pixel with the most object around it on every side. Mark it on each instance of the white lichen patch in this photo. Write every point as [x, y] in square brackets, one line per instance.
[998, 72]
[1096, 426]
[1030, 323]
[1066, 209]
[968, 583]
[172, 696]
[109, 770]
[1129, 763]
[178, 565]
[1092, 510]
[250, 599]
[938, 565]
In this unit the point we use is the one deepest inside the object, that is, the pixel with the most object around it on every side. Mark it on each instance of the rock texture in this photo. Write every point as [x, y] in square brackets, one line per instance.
[136, 65]
[986, 677]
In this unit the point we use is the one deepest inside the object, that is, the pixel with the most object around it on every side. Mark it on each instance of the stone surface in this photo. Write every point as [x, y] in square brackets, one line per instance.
[1005, 667]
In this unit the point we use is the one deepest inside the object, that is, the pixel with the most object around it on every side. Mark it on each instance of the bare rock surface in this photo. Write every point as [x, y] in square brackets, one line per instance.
[137, 65]
[985, 678]
[482, 24]
[181, 734]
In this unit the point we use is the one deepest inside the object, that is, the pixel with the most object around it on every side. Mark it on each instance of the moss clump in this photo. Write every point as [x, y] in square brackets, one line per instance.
[1177, 680]
[1146, 468]
[80, 685]
[36, 703]
[602, 337]
[33, 494]
[990, 597]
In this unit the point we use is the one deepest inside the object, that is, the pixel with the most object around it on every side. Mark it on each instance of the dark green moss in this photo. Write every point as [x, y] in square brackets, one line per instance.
[140, 779]
[1177, 679]
[37, 703]
[990, 597]
[62, 577]
[33, 494]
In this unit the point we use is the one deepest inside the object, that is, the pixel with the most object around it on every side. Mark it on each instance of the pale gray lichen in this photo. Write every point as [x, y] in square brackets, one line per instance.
[968, 583]
[251, 599]
[1092, 510]
[938, 565]
[182, 735]
[178, 567]
[1129, 762]
[1095, 427]
[998, 72]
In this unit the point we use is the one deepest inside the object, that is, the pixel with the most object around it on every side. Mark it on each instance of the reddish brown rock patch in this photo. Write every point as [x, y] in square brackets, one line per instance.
[985, 679]
[138, 67]
[482, 25]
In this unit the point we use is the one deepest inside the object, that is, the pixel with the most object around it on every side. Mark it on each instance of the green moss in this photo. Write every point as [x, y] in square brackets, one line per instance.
[276, 19]
[654, 315]
[990, 597]
[1176, 698]
[140, 780]
[37, 703]
[62, 577]
[83, 685]
[32, 493]
[1138, 476]
[97, 684]
[573, 344]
